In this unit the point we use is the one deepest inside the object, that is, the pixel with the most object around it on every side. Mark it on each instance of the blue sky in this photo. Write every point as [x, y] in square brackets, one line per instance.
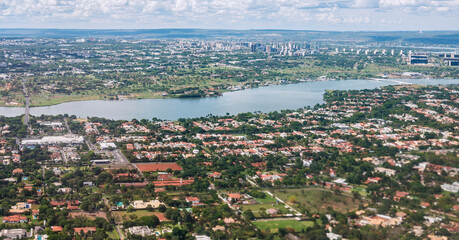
[342, 15]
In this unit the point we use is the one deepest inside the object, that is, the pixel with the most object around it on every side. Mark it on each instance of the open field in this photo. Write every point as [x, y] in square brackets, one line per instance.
[273, 226]
[259, 210]
[318, 199]
[123, 215]
[88, 215]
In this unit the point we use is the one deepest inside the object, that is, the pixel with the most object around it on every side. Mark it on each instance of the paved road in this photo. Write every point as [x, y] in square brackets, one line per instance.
[27, 104]
[67, 125]
[119, 157]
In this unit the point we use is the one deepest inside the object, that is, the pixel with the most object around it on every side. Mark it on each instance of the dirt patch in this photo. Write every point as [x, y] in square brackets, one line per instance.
[88, 215]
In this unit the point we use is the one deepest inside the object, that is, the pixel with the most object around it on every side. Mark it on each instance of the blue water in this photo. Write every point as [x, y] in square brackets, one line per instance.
[264, 99]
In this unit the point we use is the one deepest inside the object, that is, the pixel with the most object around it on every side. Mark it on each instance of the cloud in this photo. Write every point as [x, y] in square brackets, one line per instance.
[220, 13]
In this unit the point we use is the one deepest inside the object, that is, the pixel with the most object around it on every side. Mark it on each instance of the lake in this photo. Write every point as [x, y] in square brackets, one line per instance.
[264, 99]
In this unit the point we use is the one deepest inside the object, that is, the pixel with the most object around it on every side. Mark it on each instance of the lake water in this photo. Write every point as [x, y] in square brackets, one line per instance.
[264, 99]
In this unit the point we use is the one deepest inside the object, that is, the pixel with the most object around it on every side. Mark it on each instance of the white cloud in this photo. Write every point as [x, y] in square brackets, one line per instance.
[221, 13]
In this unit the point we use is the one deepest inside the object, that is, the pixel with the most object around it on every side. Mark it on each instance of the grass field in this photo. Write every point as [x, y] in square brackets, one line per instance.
[259, 210]
[273, 226]
[113, 234]
[318, 200]
[267, 200]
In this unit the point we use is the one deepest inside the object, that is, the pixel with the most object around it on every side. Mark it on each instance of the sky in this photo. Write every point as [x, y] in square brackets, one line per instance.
[341, 15]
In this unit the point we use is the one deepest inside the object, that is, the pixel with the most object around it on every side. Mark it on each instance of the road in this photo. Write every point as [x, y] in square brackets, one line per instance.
[27, 104]
[120, 232]
[67, 125]
[119, 157]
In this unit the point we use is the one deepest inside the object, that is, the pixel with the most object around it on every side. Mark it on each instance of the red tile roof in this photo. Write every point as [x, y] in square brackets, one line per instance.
[84, 229]
[56, 228]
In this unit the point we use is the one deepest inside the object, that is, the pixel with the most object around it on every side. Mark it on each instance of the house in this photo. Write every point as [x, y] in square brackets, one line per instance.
[20, 207]
[85, 230]
[35, 213]
[399, 195]
[235, 196]
[202, 237]
[219, 228]
[387, 171]
[192, 199]
[434, 237]
[15, 219]
[451, 187]
[141, 231]
[425, 204]
[229, 220]
[380, 220]
[64, 190]
[14, 233]
[373, 180]
[215, 175]
[140, 204]
[56, 228]
[195, 202]
[271, 211]
[334, 236]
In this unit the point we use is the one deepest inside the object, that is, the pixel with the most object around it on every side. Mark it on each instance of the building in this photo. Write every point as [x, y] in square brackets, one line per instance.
[451, 187]
[141, 231]
[15, 219]
[14, 233]
[53, 140]
[452, 61]
[418, 58]
[139, 204]
[85, 230]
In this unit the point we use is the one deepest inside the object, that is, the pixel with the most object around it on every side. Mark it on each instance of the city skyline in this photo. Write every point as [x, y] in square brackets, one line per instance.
[345, 15]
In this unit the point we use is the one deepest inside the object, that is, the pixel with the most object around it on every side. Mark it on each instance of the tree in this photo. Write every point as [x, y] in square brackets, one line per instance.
[292, 199]
[162, 208]
[150, 188]
[150, 208]
[356, 195]
[249, 215]
[151, 221]
[129, 209]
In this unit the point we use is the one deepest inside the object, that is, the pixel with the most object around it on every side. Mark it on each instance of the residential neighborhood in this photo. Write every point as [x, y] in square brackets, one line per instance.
[366, 164]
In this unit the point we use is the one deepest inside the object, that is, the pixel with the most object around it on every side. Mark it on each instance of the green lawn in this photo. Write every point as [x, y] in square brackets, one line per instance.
[113, 234]
[267, 200]
[259, 210]
[273, 226]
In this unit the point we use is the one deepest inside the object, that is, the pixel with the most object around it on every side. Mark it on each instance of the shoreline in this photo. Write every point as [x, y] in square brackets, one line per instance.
[157, 95]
